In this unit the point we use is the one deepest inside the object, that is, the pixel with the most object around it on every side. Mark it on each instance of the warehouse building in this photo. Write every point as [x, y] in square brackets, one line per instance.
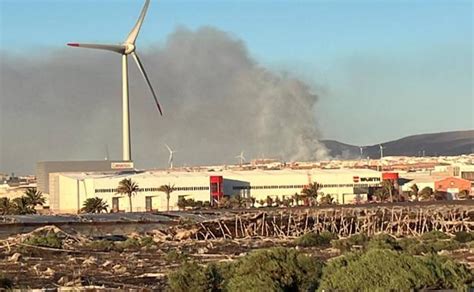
[45, 168]
[69, 190]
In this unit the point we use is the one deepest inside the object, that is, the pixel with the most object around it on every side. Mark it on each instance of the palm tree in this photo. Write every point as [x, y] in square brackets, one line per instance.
[269, 201]
[167, 189]
[426, 193]
[381, 194]
[388, 188]
[34, 197]
[310, 192]
[94, 205]
[23, 206]
[182, 203]
[297, 199]
[327, 200]
[414, 190]
[7, 207]
[129, 188]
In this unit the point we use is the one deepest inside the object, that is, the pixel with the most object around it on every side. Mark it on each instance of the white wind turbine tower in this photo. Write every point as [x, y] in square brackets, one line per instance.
[241, 157]
[381, 156]
[170, 159]
[381, 150]
[125, 49]
[361, 148]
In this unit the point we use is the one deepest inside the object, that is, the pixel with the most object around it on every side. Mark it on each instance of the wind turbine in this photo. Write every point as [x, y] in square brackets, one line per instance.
[126, 48]
[381, 156]
[170, 159]
[241, 157]
[381, 150]
[361, 148]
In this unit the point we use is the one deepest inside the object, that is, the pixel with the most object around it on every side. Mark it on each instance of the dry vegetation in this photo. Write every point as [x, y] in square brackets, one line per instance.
[161, 259]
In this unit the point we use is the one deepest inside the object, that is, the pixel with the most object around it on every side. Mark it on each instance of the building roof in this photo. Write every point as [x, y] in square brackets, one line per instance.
[258, 172]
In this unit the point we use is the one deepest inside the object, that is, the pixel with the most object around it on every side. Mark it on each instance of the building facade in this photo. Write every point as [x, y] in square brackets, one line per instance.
[68, 191]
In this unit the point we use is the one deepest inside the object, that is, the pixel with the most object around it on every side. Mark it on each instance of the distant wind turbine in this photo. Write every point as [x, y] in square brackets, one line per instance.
[170, 159]
[361, 148]
[107, 152]
[126, 48]
[381, 156]
[241, 157]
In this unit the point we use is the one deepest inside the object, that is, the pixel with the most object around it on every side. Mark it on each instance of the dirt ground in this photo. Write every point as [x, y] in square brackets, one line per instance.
[80, 262]
[142, 268]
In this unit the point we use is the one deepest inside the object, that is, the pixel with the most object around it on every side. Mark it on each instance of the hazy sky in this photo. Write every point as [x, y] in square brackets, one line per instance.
[381, 69]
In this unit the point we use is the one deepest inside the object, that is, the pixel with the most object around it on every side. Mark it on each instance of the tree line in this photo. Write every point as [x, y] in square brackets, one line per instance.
[23, 205]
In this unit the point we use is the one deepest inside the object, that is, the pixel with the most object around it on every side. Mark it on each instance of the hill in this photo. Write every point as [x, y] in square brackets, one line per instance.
[435, 144]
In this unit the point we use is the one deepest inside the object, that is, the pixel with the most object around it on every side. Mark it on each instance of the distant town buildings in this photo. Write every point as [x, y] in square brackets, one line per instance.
[67, 184]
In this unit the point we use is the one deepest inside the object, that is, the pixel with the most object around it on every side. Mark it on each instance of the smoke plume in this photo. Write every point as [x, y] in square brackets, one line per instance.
[217, 102]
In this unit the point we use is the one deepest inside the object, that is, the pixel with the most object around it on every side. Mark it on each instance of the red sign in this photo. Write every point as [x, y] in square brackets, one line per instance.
[355, 179]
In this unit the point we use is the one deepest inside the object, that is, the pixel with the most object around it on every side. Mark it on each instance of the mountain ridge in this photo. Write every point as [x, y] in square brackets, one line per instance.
[432, 144]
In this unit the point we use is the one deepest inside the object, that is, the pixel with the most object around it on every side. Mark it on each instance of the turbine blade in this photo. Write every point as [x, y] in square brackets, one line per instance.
[142, 70]
[169, 149]
[132, 36]
[114, 48]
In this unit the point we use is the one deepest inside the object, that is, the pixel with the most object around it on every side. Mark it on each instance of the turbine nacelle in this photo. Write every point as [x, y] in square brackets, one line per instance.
[129, 48]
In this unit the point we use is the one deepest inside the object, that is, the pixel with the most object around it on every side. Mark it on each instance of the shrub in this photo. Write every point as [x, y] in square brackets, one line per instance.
[218, 275]
[50, 240]
[383, 241]
[347, 243]
[175, 256]
[407, 242]
[5, 283]
[314, 239]
[147, 241]
[449, 274]
[464, 236]
[130, 243]
[384, 270]
[100, 245]
[189, 277]
[416, 247]
[434, 235]
[276, 269]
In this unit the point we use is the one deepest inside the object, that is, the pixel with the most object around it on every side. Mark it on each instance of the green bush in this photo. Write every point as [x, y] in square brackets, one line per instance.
[5, 283]
[314, 239]
[408, 243]
[276, 269]
[449, 274]
[100, 245]
[416, 247]
[347, 243]
[189, 277]
[174, 256]
[129, 243]
[218, 275]
[464, 236]
[50, 240]
[383, 241]
[434, 235]
[384, 270]
[147, 241]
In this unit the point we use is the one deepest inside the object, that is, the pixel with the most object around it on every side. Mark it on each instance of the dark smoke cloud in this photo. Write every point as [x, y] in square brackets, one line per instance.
[217, 101]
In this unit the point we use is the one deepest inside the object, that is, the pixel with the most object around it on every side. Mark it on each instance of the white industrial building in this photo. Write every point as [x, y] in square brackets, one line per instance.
[69, 190]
